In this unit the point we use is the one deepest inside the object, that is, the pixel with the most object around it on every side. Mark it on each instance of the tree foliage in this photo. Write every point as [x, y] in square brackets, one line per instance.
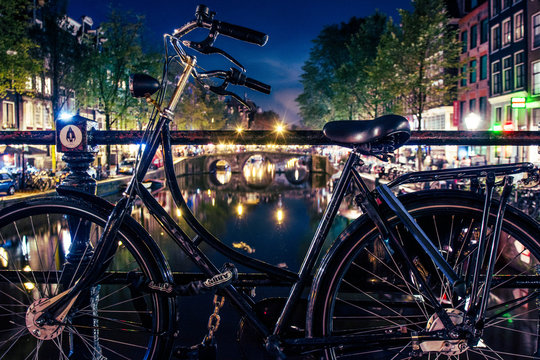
[17, 62]
[370, 66]
[65, 53]
[199, 109]
[320, 72]
[425, 52]
[108, 66]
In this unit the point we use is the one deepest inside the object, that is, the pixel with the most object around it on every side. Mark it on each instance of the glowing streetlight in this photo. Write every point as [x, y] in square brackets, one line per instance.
[280, 128]
[239, 129]
[472, 121]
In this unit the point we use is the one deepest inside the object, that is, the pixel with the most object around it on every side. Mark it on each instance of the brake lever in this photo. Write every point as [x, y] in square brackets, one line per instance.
[221, 90]
[205, 47]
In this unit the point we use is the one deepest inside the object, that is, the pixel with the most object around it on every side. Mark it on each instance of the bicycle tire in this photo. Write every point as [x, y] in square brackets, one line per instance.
[123, 323]
[347, 298]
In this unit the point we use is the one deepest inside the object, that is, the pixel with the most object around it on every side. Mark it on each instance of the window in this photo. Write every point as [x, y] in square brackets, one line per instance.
[506, 4]
[461, 109]
[483, 67]
[474, 35]
[536, 78]
[472, 71]
[47, 118]
[507, 32]
[472, 105]
[38, 120]
[495, 7]
[518, 26]
[495, 38]
[464, 42]
[29, 115]
[519, 72]
[482, 106]
[463, 75]
[507, 73]
[496, 77]
[536, 30]
[48, 86]
[28, 84]
[8, 110]
[39, 87]
[498, 114]
[484, 30]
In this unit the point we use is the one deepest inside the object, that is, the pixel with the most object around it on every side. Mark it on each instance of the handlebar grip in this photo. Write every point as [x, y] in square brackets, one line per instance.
[257, 86]
[240, 33]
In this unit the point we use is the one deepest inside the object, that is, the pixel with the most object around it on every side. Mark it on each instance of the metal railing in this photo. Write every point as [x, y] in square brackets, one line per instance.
[265, 137]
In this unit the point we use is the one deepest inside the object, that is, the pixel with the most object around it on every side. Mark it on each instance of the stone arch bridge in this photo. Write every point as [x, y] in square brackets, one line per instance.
[206, 163]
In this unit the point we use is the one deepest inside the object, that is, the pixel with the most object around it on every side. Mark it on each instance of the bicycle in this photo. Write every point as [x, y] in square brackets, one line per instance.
[434, 273]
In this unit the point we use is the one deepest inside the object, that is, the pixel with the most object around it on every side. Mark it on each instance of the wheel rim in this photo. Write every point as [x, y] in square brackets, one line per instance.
[118, 323]
[401, 309]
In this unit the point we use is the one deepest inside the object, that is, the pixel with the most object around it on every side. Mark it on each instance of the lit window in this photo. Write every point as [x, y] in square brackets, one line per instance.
[536, 30]
[48, 86]
[39, 87]
[29, 115]
[536, 78]
[8, 121]
[507, 33]
[38, 120]
[28, 84]
[518, 26]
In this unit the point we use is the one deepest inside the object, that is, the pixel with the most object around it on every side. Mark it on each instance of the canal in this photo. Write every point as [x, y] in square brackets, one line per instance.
[268, 214]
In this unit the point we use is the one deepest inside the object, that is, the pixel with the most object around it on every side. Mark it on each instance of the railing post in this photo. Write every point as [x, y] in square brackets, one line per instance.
[72, 140]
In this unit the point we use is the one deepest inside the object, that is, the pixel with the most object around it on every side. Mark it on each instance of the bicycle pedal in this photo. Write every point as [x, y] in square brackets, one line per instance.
[197, 352]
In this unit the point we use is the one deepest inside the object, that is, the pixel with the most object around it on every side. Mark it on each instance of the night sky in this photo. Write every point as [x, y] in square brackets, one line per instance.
[291, 25]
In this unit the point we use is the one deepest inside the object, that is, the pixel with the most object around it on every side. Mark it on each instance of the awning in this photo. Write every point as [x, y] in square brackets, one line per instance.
[29, 150]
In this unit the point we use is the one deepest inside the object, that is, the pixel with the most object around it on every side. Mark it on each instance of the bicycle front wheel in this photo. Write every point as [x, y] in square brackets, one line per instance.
[44, 246]
[364, 288]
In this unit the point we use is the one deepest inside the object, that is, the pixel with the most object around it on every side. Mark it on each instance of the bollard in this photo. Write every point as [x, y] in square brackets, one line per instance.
[72, 139]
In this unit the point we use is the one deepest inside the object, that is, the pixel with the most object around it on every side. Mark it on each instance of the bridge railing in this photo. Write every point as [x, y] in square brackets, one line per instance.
[265, 137]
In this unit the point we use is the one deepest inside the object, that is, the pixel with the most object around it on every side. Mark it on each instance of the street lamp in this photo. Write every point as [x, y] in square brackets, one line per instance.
[472, 121]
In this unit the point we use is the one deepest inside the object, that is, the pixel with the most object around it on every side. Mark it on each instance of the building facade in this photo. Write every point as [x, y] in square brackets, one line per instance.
[473, 87]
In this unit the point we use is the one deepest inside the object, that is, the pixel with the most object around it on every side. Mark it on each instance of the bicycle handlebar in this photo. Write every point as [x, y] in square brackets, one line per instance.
[240, 33]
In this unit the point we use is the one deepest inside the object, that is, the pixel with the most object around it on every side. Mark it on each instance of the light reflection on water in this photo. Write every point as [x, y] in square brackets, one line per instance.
[274, 223]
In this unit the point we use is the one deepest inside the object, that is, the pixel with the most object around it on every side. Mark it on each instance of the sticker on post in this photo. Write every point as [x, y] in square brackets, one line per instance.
[70, 136]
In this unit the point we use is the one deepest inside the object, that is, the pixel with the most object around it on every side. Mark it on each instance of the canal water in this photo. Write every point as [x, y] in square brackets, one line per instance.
[271, 215]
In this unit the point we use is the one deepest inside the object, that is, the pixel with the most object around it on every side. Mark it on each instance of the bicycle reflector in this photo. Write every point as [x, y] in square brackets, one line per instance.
[142, 85]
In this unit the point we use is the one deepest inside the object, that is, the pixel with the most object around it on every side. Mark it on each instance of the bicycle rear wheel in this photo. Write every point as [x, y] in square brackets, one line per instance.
[114, 320]
[363, 287]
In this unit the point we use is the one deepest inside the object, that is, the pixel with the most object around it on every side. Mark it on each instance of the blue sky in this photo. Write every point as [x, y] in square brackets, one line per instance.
[291, 25]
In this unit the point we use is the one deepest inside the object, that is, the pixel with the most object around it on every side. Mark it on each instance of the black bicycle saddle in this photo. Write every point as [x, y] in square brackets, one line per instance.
[390, 131]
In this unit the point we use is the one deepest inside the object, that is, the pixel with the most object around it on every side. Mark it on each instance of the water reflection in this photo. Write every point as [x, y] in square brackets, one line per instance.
[258, 171]
[277, 221]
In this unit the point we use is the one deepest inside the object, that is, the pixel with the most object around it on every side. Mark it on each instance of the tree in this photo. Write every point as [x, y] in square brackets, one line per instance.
[265, 120]
[200, 109]
[107, 68]
[360, 91]
[328, 54]
[17, 63]
[64, 51]
[425, 51]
